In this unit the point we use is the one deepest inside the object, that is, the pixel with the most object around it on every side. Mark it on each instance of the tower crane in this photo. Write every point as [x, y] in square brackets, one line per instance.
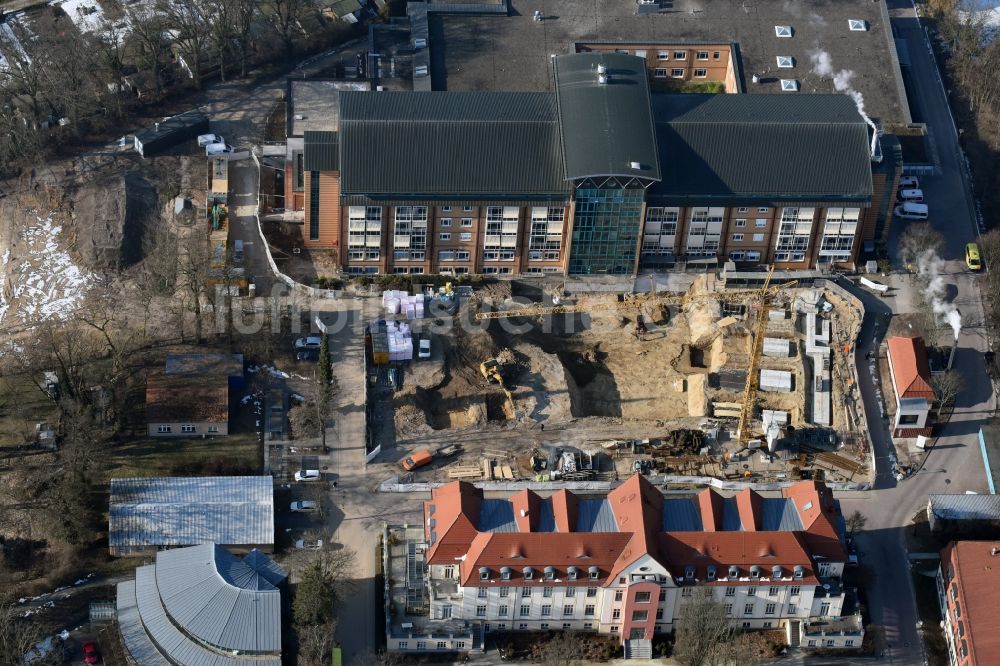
[762, 297]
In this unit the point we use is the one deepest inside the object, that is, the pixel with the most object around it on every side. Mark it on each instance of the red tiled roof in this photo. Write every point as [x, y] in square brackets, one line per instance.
[910, 372]
[637, 507]
[977, 576]
[452, 508]
[539, 550]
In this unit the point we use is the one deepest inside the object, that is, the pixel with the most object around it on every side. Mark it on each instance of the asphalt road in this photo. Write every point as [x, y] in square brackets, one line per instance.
[955, 464]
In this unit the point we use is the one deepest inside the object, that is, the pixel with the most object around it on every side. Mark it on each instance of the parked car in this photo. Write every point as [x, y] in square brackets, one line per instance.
[911, 211]
[909, 183]
[220, 148]
[424, 350]
[307, 355]
[208, 139]
[305, 506]
[916, 196]
[309, 342]
[90, 653]
[309, 544]
[308, 475]
[238, 251]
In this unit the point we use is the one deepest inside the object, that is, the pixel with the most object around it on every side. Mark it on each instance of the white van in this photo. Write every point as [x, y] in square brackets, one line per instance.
[915, 196]
[909, 183]
[911, 211]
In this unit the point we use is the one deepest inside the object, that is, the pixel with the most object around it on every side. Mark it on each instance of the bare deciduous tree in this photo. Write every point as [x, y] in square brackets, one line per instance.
[947, 386]
[916, 240]
[563, 649]
[316, 642]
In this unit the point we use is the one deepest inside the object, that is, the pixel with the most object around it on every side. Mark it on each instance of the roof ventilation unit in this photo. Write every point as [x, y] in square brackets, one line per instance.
[635, 165]
[783, 30]
[857, 25]
[602, 79]
[755, 78]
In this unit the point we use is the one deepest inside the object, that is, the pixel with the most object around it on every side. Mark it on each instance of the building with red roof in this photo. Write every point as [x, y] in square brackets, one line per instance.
[911, 380]
[969, 592]
[624, 563]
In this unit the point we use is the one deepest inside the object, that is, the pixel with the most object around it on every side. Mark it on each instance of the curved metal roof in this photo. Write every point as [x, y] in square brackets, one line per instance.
[605, 119]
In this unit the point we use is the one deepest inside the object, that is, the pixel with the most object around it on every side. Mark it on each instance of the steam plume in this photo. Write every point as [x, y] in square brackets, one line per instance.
[823, 67]
[929, 266]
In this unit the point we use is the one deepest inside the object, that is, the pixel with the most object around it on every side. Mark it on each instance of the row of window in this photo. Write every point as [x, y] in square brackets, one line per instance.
[772, 591]
[440, 645]
[569, 609]
[678, 73]
[757, 238]
[526, 591]
[186, 428]
[548, 573]
[677, 54]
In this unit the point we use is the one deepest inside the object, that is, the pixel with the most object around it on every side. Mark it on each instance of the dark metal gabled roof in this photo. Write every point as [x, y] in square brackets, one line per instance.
[774, 147]
[606, 127]
[321, 151]
[449, 143]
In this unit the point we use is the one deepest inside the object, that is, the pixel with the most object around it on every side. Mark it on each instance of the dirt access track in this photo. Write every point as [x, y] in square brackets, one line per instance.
[589, 377]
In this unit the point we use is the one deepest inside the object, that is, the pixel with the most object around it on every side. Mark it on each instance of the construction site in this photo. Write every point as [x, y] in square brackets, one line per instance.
[741, 383]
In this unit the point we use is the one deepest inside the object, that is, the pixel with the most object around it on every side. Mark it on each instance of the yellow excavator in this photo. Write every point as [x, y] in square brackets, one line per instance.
[491, 371]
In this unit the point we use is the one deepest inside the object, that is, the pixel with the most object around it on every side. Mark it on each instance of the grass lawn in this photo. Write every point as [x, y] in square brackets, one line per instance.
[163, 457]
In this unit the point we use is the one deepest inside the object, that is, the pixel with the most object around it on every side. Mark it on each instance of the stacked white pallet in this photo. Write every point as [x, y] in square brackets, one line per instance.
[396, 302]
[400, 341]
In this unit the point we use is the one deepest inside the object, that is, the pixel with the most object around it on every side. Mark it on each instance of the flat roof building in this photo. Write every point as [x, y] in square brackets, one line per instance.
[148, 514]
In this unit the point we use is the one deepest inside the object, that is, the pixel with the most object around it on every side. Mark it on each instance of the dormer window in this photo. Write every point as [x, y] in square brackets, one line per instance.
[594, 573]
[734, 572]
[484, 573]
[711, 573]
[776, 571]
[504, 573]
[550, 573]
[572, 573]
[799, 571]
[755, 571]
[529, 573]
[689, 573]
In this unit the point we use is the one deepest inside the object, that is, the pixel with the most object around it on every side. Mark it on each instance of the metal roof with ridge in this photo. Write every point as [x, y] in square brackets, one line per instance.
[469, 144]
[605, 117]
[725, 149]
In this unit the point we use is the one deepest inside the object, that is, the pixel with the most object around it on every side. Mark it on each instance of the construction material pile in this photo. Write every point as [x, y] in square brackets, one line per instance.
[682, 442]
[400, 341]
[397, 302]
[390, 341]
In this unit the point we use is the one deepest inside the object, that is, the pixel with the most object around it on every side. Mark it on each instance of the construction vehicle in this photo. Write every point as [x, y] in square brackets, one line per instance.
[417, 459]
[492, 371]
[762, 298]
[640, 328]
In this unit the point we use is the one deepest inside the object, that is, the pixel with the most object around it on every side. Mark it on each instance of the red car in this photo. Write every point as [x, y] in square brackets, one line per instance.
[90, 653]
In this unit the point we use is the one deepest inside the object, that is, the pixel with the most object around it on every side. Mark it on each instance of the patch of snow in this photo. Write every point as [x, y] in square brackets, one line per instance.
[85, 14]
[245, 399]
[48, 283]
